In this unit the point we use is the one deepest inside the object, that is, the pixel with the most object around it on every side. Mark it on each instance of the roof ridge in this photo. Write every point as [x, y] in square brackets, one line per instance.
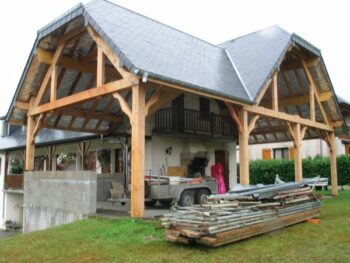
[174, 28]
[238, 74]
[251, 33]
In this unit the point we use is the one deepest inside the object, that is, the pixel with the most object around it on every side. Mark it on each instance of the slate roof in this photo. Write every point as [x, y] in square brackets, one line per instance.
[17, 139]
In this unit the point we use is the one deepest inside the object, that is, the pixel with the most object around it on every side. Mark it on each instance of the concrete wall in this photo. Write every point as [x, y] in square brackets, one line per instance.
[55, 198]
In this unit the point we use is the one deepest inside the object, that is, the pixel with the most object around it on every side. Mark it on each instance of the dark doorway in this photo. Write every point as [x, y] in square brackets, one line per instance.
[178, 106]
[222, 156]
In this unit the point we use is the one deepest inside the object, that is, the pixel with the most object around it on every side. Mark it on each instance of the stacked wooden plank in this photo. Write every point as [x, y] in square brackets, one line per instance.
[231, 217]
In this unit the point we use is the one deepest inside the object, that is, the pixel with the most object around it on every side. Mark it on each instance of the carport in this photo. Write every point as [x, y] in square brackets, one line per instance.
[81, 76]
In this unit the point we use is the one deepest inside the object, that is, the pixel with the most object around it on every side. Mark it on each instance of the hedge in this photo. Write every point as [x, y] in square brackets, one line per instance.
[264, 171]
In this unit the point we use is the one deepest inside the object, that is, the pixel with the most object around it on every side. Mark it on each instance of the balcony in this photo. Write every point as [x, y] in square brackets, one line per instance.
[192, 122]
[14, 181]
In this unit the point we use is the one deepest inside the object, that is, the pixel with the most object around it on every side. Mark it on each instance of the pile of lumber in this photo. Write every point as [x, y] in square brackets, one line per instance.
[232, 217]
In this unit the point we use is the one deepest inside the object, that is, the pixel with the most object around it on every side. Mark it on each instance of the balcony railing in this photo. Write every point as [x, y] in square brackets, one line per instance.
[194, 122]
[14, 181]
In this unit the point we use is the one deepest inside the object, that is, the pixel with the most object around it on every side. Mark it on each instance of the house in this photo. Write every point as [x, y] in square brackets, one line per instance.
[310, 148]
[166, 98]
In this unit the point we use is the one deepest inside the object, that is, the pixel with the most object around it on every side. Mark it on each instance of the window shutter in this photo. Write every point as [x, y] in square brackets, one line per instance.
[291, 153]
[266, 154]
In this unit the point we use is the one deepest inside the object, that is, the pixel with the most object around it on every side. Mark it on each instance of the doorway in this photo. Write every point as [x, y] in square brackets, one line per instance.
[222, 156]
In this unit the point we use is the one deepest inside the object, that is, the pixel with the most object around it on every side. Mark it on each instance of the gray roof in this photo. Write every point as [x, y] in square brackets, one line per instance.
[341, 100]
[17, 139]
[163, 52]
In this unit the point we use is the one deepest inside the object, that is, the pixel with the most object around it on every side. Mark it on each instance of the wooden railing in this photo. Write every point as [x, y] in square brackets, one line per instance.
[194, 122]
[14, 181]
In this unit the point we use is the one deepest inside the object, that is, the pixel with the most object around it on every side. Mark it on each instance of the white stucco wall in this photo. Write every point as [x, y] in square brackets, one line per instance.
[14, 207]
[310, 148]
[2, 194]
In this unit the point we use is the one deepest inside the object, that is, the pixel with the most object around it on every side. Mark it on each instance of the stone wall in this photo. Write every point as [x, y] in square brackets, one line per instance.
[55, 198]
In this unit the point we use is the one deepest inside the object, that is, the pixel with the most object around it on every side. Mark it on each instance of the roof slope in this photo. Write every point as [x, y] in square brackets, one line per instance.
[164, 52]
[256, 55]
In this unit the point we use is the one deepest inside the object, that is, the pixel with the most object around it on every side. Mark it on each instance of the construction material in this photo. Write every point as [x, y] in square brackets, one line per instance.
[235, 216]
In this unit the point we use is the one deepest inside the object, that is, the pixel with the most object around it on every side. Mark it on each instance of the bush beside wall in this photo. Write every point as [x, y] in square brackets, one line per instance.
[264, 171]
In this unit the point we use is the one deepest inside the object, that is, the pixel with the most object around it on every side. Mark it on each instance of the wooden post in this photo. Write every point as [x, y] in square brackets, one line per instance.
[298, 169]
[333, 160]
[274, 93]
[138, 151]
[244, 149]
[30, 144]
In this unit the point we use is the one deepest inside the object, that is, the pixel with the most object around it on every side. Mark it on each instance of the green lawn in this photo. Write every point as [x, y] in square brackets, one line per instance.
[127, 240]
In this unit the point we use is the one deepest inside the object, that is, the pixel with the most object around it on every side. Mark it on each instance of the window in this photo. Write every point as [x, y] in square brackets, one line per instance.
[281, 153]
[204, 108]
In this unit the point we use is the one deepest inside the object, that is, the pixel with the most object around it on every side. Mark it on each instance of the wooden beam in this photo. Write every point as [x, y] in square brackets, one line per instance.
[110, 54]
[123, 105]
[302, 133]
[83, 96]
[164, 99]
[50, 152]
[22, 105]
[297, 153]
[44, 83]
[91, 114]
[100, 77]
[252, 123]
[30, 141]
[80, 65]
[53, 90]
[196, 91]
[313, 87]
[312, 105]
[244, 149]
[263, 92]
[287, 117]
[153, 100]
[235, 117]
[274, 92]
[138, 151]
[333, 160]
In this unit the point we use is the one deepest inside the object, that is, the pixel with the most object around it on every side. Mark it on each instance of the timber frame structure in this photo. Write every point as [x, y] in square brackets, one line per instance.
[76, 79]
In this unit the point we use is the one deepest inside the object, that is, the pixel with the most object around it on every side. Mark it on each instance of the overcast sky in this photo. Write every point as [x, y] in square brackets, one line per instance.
[323, 23]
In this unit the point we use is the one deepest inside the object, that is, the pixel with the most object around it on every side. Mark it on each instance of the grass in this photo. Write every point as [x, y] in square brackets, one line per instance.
[128, 240]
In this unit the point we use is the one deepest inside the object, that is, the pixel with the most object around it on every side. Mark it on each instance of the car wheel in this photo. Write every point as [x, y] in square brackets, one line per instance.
[150, 203]
[201, 195]
[187, 198]
[166, 202]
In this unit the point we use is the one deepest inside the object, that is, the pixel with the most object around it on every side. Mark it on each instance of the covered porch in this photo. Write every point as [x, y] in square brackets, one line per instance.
[77, 79]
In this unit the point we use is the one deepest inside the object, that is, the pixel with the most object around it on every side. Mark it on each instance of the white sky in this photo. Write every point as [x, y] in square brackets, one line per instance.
[323, 23]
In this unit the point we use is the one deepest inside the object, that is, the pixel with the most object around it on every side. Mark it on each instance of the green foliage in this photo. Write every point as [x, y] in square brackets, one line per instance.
[264, 171]
[129, 240]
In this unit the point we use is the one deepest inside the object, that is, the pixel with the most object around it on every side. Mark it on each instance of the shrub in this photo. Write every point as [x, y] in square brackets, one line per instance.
[264, 171]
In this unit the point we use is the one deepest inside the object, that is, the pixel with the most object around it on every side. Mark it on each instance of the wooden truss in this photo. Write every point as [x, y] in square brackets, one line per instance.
[115, 85]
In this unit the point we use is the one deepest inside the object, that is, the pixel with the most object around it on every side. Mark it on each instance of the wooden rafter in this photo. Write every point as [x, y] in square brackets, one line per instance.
[252, 123]
[123, 104]
[153, 99]
[315, 91]
[22, 105]
[105, 111]
[110, 54]
[164, 99]
[45, 82]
